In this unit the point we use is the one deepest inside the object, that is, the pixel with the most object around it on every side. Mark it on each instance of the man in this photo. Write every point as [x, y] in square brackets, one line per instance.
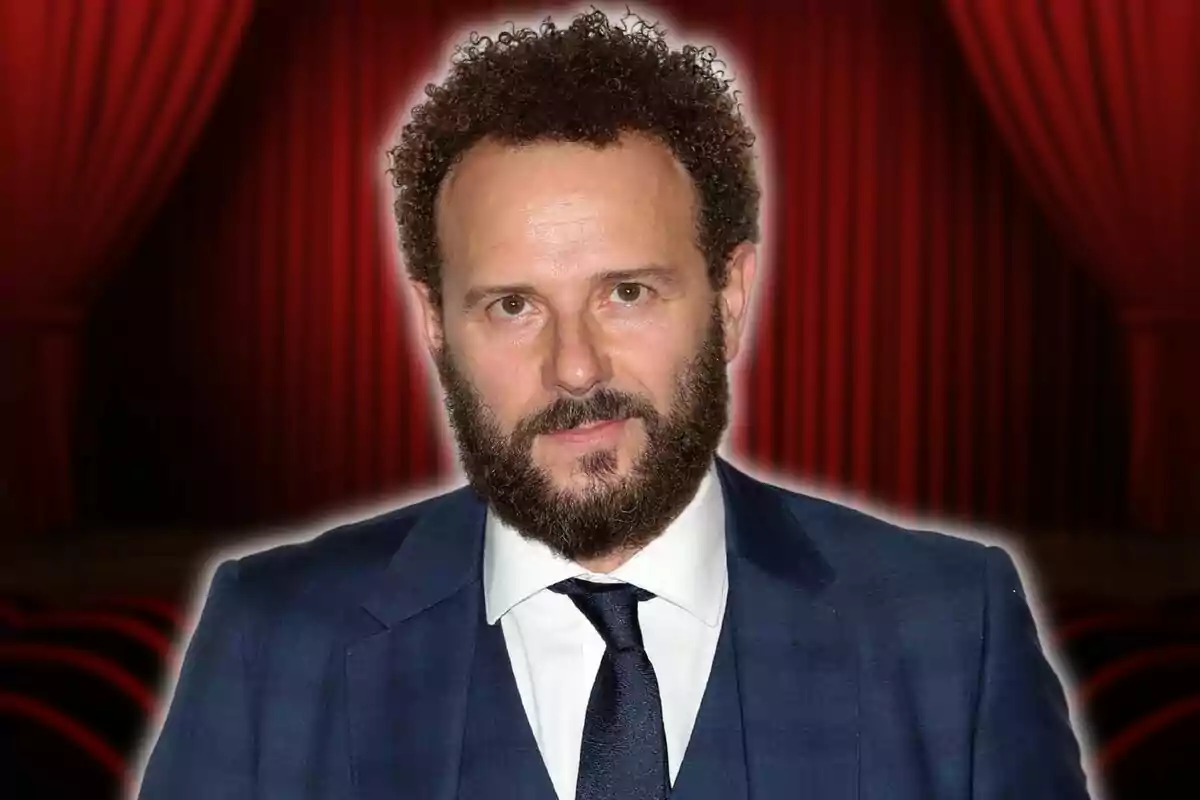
[608, 610]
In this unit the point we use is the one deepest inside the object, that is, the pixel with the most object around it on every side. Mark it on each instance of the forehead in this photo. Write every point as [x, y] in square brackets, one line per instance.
[559, 202]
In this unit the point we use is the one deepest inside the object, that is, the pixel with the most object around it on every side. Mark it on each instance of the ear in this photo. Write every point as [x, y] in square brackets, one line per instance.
[742, 266]
[430, 315]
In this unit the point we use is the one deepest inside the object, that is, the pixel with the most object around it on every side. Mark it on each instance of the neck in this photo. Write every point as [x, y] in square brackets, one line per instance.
[606, 564]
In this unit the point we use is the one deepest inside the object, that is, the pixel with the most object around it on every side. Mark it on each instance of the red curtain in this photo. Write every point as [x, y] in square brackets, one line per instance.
[101, 101]
[924, 342]
[297, 391]
[1100, 103]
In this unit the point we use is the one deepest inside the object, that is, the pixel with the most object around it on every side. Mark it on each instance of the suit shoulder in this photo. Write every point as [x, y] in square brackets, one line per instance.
[864, 547]
[336, 561]
[909, 586]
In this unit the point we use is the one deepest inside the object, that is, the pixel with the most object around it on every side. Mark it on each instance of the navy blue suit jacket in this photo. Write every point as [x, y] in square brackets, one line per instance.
[872, 663]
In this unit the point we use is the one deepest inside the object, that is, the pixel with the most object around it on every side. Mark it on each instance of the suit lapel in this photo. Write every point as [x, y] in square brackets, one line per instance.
[408, 676]
[499, 748]
[797, 661]
[714, 765]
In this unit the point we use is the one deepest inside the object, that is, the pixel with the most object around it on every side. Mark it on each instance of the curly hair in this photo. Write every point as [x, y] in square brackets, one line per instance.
[589, 82]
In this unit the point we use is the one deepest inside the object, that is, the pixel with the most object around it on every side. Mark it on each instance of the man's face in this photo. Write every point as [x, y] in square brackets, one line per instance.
[581, 344]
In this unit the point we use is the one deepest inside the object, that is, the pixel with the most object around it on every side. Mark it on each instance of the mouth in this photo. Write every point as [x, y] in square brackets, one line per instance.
[601, 432]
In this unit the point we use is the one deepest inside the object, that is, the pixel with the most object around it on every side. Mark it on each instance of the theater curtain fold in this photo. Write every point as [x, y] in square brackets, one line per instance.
[300, 389]
[101, 102]
[925, 342]
[1100, 104]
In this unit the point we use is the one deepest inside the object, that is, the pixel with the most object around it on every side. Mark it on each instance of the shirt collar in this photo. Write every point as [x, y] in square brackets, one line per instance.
[685, 565]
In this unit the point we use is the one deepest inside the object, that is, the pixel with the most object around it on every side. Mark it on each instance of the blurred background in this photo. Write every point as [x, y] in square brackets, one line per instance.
[984, 309]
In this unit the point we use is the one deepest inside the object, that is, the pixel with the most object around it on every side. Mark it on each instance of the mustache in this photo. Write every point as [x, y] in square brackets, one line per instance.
[604, 405]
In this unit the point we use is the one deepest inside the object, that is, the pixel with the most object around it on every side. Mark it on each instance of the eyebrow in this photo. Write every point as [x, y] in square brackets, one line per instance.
[659, 272]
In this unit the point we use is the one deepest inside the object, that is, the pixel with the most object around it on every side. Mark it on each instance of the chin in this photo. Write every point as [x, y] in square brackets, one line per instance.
[581, 473]
[577, 484]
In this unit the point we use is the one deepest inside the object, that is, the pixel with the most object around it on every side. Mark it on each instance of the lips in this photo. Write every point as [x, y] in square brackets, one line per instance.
[589, 431]
[590, 425]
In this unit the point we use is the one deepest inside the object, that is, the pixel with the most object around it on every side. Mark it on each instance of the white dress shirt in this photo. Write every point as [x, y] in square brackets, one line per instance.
[555, 652]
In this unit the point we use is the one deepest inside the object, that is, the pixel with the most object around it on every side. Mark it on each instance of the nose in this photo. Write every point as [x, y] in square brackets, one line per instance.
[577, 363]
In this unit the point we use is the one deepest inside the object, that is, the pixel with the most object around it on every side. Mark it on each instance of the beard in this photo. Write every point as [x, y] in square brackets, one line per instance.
[614, 513]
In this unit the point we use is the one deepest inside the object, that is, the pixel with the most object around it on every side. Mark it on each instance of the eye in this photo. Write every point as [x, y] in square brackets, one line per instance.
[510, 306]
[629, 293]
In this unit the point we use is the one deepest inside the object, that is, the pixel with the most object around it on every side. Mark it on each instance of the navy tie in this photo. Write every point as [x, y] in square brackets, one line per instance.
[623, 755]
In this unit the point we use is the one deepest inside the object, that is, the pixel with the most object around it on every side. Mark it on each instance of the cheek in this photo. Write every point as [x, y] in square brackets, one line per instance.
[651, 361]
[508, 381]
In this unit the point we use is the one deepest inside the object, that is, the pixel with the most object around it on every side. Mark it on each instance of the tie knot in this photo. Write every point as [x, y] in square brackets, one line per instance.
[610, 607]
